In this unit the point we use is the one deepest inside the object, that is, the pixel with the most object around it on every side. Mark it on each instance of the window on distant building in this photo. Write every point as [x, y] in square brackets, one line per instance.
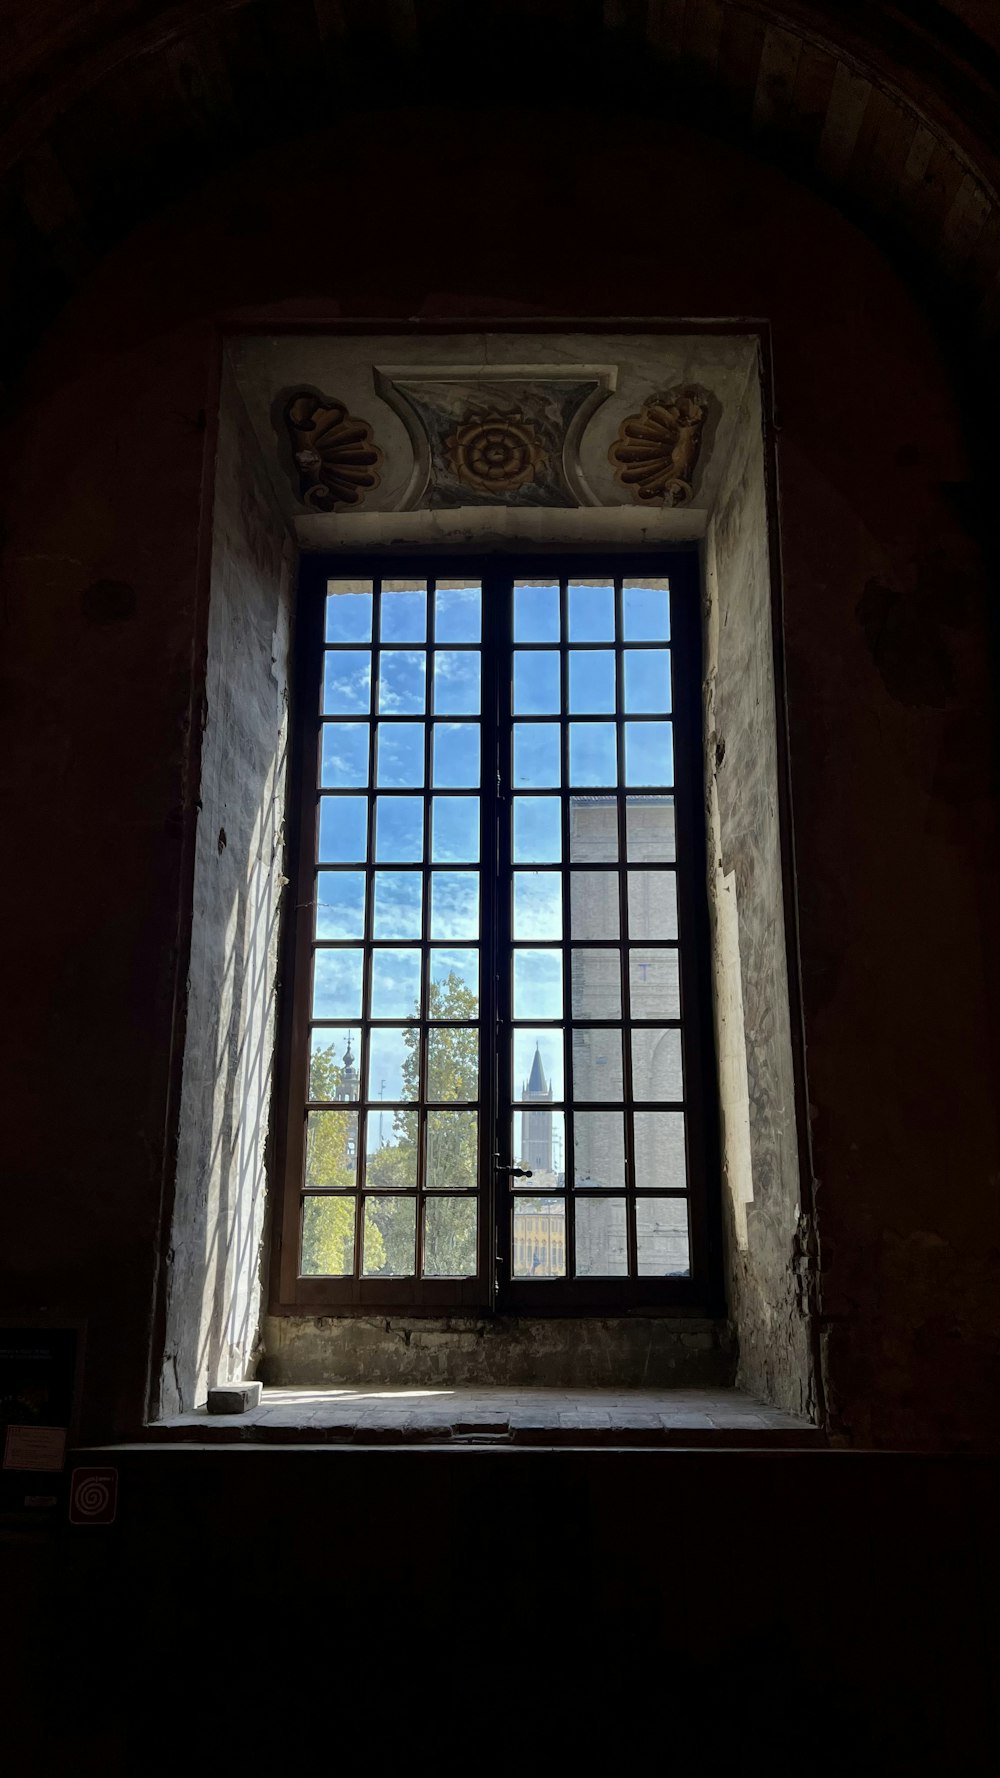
[497, 1080]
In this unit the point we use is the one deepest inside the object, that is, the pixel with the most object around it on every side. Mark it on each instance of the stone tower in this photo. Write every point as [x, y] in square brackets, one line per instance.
[536, 1124]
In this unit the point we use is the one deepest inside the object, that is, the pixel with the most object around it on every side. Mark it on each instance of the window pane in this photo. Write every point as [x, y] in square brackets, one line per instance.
[536, 683]
[345, 755]
[647, 680]
[399, 830]
[347, 683]
[395, 985]
[593, 753]
[332, 1149]
[597, 1065]
[328, 1237]
[592, 611]
[591, 682]
[660, 1151]
[340, 904]
[656, 1065]
[539, 1248]
[594, 903]
[398, 903]
[662, 1237]
[348, 614]
[390, 1237]
[402, 687]
[646, 611]
[538, 1065]
[456, 756]
[650, 836]
[450, 1238]
[593, 829]
[333, 1065]
[601, 1238]
[391, 1150]
[536, 611]
[536, 756]
[455, 904]
[343, 829]
[537, 830]
[539, 1144]
[453, 1063]
[538, 991]
[599, 1150]
[404, 611]
[399, 755]
[452, 1150]
[456, 683]
[337, 984]
[654, 985]
[457, 612]
[652, 904]
[393, 1057]
[454, 990]
[537, 904]
[596, 979]
[455, 830]
[649, 753]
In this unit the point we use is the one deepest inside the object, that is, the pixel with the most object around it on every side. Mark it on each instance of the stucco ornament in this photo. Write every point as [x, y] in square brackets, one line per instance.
[337, 459]
[495, 453]
[656, 452]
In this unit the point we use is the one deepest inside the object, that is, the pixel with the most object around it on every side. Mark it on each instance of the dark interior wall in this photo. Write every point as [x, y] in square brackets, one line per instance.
[471, 213]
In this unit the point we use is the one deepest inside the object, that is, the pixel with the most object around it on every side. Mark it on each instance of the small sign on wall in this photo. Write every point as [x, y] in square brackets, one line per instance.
[93, 1496]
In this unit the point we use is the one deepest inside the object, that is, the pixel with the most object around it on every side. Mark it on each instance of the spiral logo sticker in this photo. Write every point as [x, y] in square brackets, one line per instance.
[93, 1496]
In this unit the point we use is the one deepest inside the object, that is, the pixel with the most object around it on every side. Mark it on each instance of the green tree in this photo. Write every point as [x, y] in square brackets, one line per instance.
[331, 1163]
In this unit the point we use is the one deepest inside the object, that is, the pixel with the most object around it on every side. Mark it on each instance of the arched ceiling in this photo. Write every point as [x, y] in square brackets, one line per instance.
[110, 110]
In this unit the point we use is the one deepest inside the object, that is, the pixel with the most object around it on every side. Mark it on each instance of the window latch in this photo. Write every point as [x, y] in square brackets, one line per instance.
[515, 1172]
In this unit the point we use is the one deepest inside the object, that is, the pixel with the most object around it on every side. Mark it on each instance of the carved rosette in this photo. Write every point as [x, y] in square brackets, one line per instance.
[337, 459]
[495, 453]
[656, 452]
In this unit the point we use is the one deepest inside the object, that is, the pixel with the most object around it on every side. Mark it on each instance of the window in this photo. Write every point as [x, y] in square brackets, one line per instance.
[496, 1079]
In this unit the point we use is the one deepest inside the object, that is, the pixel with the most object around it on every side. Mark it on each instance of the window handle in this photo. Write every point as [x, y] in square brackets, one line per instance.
[515, 1172]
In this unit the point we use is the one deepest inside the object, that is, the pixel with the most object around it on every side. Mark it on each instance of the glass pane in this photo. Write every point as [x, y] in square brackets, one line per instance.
[393, 1055]
[662, 1237]
[536, 611]
[656, 1065]
[454, 989]
[453, 1063]
[399, 829]
[539, 1246]
[347, 683]
[538, 992]
[456, 756]
[340, 904]
[601, 1238]
[660, 1162]
[399, 755]
[646, 611]
[328, 1237]
[537, 904]
[455, 830]
[650, 837]
[594, 904]
[457, 612]
[337, 984]
[456, 683]
[597, 1065]
[538, 1065]
[537, 830]
[599, 1150]
[593, 753]
[539, 1144]
[592, 611]
[391, 1150]
[333, 1065]
[536, 683]
[450, 1238]
[390, 1237]
[343, 829]
[649, 753]
[591, 682]
[398, 903]
[452, 1150]
[402, 687]
[536, 756]
[404, 611]
[647, 680]
[593, 829]
[345, 755]
[597, 989]
[332, 1149]
[654, 984]
[652, 904]
[395, 985]
[455, 904]
[348, 614]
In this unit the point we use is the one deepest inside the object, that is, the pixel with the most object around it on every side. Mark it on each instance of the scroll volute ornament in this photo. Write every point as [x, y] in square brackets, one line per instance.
[495, 453]
[337, 459]
[656, 452]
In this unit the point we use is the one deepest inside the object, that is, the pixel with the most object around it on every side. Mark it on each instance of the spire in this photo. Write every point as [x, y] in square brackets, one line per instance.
[538, 1086]
[349, 1075]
